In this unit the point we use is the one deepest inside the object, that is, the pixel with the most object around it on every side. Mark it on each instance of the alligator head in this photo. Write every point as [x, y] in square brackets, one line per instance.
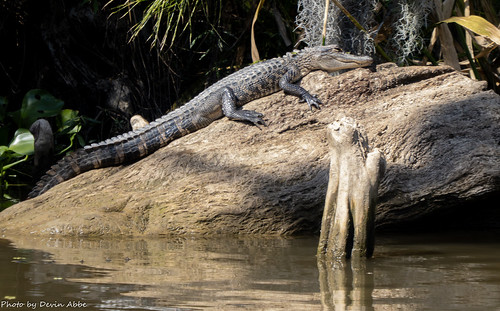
[331, 58]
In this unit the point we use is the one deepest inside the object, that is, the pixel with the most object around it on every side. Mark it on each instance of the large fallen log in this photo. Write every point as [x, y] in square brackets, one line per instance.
[439, 131]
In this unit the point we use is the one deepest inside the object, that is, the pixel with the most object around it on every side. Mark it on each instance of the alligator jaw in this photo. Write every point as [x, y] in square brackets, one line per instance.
[339, 61]
[331, 58]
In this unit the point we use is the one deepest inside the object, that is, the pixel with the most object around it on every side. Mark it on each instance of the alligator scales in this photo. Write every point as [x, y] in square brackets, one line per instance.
[223, 98]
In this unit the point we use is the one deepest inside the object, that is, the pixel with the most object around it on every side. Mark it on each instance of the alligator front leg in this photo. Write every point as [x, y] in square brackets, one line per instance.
[287, 85]
[231, 110]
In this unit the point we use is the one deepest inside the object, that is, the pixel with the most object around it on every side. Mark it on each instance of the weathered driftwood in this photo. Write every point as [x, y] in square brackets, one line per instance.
[138, 121]
[349, 215]
[439, 132]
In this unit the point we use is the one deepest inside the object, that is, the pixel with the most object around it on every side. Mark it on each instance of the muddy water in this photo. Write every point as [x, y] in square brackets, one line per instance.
[457, 271]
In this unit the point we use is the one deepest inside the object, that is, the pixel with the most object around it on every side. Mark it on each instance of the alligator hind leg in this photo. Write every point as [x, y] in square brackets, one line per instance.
[231, 110]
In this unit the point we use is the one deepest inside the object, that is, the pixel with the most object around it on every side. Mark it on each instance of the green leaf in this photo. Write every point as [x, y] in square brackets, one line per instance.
[23, 142]
[3, 149]
[36, 104]
[81, 141]
[68, 121]
[68, 114]
[478, 25]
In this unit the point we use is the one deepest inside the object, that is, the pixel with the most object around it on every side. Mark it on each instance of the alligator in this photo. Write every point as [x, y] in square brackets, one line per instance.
[224, 98]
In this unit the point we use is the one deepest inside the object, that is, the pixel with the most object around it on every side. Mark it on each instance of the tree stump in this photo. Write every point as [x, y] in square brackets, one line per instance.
[347, 228]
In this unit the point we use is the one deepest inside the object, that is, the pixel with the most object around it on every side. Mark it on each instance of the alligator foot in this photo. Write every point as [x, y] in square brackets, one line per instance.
[231, 111]
[312, 101]
[249, 116]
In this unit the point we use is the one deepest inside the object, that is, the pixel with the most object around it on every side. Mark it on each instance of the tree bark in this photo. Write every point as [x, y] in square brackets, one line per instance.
[347, 228]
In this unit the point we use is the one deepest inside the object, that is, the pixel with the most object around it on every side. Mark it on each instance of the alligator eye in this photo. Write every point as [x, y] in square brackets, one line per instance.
[337, 49]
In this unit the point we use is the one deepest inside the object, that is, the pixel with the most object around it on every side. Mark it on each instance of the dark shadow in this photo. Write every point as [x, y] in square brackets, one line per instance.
[299, 201]
[449, 173]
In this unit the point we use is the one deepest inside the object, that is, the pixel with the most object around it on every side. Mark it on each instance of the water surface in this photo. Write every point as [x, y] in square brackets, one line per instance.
[441, 271]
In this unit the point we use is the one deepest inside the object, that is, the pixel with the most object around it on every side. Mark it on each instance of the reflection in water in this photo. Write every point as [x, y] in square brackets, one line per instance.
[457, 272]
[346, 284]
[179, 274]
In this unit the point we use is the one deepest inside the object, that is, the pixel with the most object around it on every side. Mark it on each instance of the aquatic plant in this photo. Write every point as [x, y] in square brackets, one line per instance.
[18, 148]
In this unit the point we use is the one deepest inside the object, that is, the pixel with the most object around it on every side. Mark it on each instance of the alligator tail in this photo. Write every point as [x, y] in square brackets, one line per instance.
[118, 150]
